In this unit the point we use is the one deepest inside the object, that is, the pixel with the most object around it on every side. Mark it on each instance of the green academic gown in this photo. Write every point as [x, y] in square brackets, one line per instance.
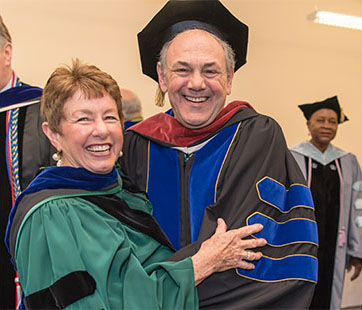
[63, 242]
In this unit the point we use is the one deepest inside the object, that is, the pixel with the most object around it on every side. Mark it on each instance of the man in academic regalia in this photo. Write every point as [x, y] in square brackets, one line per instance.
[131, 108]
[23, 150]
[335, 179]
[204, 159]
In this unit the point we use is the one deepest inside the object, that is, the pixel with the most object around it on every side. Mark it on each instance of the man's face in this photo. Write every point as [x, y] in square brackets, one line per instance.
[195, 78]
[5, 63]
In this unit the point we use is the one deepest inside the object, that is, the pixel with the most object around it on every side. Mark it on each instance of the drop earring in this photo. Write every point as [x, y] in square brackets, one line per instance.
[58, 158]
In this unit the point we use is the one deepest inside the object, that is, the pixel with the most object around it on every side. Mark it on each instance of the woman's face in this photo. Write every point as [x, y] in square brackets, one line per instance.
[91, 133]
[323, 126]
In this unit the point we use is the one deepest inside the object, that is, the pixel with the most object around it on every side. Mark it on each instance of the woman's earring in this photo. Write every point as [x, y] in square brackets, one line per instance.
[120, 154]
[58, 158]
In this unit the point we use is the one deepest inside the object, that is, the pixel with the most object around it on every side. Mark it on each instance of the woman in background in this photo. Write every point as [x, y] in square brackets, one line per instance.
[79, 239]
[334, 177]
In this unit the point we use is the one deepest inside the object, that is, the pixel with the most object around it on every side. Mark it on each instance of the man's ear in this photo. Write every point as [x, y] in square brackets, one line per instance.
[8, 52]
[52, 136]
[229, 82]
[161, 78]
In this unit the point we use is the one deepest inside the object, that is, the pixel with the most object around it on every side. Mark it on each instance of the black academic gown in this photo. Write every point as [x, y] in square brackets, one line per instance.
[325, 189]
[245, 174]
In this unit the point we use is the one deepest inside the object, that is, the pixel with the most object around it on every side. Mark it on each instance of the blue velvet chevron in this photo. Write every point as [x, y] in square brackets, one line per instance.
[294, 267]
[297, 230]
[282, 234]
[275, 194]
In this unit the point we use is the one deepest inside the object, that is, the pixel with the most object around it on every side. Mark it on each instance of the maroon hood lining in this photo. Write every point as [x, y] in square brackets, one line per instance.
[166, 128]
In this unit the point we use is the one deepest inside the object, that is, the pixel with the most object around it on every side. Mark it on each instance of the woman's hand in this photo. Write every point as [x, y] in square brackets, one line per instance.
[226, 250]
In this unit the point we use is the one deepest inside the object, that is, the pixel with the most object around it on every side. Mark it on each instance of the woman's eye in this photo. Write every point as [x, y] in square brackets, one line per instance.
[111, 117]
[83, 119]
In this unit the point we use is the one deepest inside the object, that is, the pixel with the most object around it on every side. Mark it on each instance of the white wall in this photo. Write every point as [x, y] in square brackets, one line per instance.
[290, 60]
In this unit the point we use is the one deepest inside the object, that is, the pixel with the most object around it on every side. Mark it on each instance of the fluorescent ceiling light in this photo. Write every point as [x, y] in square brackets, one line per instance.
[335, 19]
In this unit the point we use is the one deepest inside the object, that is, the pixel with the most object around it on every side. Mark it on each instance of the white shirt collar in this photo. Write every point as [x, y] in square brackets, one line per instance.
[8, 85]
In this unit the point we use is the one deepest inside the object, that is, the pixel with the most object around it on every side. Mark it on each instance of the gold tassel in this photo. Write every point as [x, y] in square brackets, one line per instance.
[342, 117]
[160, 97]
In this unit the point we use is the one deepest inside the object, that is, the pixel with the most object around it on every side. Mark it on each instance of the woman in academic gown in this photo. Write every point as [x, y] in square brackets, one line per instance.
[334, 177]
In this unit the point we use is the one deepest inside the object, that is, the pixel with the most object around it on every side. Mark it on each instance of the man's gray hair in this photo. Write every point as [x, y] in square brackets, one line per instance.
[4, 33]
[131, 106]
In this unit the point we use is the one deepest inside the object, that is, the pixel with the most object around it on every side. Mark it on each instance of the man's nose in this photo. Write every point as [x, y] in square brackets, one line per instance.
[196, 81]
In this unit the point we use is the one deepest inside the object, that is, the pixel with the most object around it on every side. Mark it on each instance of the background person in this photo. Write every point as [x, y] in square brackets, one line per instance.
[79, 239]
[201, 160]
[334, 177]
[132, 108]
[23, 150]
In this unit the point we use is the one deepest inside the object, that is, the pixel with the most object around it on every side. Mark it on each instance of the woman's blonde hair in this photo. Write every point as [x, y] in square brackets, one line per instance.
[65, 81]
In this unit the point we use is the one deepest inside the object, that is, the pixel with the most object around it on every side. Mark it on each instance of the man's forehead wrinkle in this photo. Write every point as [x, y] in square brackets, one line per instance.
[188, 64]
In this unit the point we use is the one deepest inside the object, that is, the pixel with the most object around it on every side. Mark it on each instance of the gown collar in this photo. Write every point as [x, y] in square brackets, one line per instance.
[165, 128]
[65, 178]
[309, 150]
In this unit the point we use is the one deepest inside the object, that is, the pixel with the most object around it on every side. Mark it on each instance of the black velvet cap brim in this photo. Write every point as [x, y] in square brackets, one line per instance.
[330, 103]
[157, 32]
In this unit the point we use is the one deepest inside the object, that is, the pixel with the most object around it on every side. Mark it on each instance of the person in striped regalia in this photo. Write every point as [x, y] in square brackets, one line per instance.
[24, 149]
